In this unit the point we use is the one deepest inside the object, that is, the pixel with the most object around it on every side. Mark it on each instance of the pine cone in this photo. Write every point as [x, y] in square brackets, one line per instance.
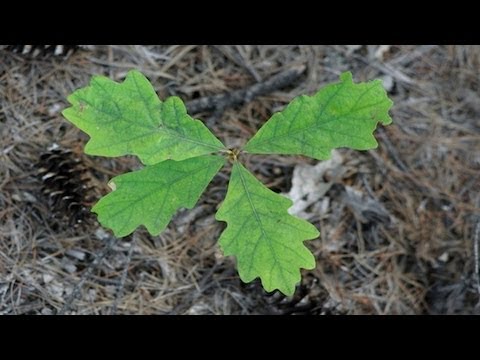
[64, 186]
[43, 50]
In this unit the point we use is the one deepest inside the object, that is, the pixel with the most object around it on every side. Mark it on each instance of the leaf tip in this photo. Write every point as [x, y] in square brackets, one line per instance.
[285, 289]
[388, 120]
[315, 233]
[95, 80]
[66, 112]
[89, 148]
[312, 265]
[346, 77]
[133, 73]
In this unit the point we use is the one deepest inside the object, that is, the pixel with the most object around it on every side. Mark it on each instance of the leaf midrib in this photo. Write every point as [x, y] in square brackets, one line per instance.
[150, 130]
[162, 186]
[320, 126]
[259, 221]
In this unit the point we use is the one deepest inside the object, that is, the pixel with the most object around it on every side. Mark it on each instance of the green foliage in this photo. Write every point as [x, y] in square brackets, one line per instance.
[151, 196]
[179, 154]
[266, 240]
[340, 115]
[129, 118]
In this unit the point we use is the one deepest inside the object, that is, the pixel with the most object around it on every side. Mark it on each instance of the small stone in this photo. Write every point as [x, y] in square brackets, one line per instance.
[70, 268]
[47, 278]
[388, 83]
[46, 311]
[381, 51]
[29, 197]
[54, 109]
[444, 257]
[80, 255]
[101, 234]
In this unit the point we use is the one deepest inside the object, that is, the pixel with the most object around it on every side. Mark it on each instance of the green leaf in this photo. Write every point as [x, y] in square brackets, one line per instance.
[266, 240]
[340, 115]
[151, 196]
[129, 118]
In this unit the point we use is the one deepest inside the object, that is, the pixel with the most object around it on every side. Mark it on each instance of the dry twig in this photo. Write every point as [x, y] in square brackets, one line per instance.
[123, 279]
[111, 241]
[220, 102]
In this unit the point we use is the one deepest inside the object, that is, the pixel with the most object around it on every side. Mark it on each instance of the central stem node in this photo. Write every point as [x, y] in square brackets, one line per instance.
[232, 154]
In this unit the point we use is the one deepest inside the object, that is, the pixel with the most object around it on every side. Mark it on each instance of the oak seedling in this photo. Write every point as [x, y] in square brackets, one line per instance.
[181, 156]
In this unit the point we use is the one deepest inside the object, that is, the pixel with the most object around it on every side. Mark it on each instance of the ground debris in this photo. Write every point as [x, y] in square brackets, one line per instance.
[397, 223]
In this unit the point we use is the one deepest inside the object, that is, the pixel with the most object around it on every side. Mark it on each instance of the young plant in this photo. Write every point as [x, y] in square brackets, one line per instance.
[181, 156]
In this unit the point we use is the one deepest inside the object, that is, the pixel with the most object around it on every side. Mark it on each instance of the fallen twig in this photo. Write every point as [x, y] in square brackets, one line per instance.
[392, 150]
[123, 279]
[220, 102]
[86, 274]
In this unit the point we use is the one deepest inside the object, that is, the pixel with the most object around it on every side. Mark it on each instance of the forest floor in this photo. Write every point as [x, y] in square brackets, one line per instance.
[397, 223]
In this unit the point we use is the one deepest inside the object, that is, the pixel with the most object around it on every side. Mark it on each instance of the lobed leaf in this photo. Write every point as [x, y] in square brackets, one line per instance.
[266, 240]
[151, 196]
[129, 118]
[344, 114]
